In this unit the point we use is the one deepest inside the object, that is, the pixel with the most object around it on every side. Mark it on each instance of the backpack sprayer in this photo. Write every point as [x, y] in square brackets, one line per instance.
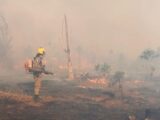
[28, 65]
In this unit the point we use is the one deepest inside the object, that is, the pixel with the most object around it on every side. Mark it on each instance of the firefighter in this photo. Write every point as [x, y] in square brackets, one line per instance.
[38, 64]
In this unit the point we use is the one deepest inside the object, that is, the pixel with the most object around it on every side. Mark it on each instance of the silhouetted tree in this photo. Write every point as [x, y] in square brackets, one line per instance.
[5, 43]
[103, 69]
[148, 55]
[118, 76]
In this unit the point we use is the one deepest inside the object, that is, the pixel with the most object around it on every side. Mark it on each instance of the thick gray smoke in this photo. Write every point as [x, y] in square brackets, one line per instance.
[96, 28]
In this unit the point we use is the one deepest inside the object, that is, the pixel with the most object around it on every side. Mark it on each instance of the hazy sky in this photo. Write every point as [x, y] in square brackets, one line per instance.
[98, 26]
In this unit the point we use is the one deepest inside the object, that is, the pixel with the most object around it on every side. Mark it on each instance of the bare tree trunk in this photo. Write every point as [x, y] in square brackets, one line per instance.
[69, 64]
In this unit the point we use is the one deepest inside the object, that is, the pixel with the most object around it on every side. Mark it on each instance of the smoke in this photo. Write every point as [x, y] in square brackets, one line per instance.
[5, 45]
[98, 27]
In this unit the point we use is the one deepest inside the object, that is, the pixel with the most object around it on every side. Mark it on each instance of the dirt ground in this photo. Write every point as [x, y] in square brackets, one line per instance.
[78, 100]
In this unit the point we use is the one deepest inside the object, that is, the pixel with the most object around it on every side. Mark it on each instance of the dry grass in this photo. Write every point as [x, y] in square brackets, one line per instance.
[66, 101]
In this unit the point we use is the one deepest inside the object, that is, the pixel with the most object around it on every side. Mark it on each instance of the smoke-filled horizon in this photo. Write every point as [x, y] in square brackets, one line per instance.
[95, 27]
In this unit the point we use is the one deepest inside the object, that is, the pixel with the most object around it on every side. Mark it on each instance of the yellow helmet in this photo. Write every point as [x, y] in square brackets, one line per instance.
[41, 50]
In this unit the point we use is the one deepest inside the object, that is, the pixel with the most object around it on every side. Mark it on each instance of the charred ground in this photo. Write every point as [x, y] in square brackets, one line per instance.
[79, 100]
